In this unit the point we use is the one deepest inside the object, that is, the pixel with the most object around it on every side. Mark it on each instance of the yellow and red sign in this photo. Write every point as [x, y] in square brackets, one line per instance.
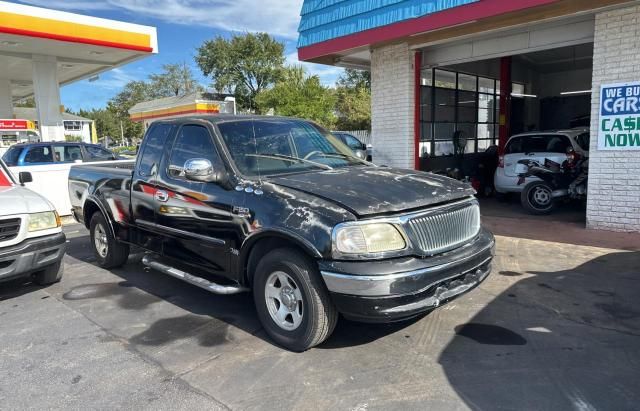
[41, 27]
[193, 108]
[13, 124]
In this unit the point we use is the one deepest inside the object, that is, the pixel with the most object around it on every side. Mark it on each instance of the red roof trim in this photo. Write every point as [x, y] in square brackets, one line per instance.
[72, 39]
[446, 18]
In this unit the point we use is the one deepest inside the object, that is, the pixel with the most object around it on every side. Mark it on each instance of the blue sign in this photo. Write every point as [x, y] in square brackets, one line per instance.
[619, 124]
[620, 100]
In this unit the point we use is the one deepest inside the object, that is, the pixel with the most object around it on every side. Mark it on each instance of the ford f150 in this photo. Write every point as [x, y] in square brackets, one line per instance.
[31, 238]
[282, 208]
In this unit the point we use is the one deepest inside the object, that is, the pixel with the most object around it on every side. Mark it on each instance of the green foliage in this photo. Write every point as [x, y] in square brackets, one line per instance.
[114, 121]
[299, 95]
[72, 139]
[175, 80]
[355, 79]
[353, 106]
[243, 65]
[27, 102]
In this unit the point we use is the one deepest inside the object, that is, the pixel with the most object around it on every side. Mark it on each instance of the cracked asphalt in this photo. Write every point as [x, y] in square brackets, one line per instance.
[556, 326]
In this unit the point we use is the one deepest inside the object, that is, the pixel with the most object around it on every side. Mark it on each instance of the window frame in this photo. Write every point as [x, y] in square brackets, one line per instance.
[168, 152]
[145, 146]
[429, 121]
[29, 149]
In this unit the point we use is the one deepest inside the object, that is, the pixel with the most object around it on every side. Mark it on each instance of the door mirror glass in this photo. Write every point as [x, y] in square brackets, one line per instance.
[25, 177]
[361, 154]
[199, 169]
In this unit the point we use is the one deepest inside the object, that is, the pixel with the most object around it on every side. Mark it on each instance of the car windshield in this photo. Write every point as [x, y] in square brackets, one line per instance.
[266, 147]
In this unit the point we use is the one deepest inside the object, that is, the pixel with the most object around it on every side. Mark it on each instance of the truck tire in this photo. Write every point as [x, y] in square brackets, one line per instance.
[292, 301]
[536, 198]
[109, 252]
[51, 274]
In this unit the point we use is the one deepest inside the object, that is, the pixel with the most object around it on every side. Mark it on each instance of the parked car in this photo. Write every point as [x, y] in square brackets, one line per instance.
[31, 238]
[282, 208]
[359, 148]
[27, 154]
[556, 146]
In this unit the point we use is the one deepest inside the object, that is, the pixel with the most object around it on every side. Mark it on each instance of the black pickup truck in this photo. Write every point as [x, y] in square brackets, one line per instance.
[282, 208]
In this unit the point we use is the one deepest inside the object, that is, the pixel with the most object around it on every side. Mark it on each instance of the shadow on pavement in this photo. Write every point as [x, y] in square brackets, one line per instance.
[142, 287]
[554, 340]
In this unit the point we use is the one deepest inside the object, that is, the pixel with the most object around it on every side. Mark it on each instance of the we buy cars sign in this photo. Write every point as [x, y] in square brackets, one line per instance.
[619, 127]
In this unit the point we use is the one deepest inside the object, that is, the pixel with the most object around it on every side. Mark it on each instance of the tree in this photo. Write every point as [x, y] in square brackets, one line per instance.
[299, 95]
[353, 79]
[243, 65]
[175, 80]
[27, 102]
[353, 106]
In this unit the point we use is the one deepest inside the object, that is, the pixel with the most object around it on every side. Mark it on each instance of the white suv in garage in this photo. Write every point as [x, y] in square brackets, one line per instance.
[538, 145]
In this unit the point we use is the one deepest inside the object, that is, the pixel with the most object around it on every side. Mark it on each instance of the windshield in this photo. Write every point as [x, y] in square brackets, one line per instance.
[279, 146]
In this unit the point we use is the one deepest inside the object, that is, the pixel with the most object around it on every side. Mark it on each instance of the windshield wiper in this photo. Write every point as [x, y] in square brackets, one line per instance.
[291, 158]
[340, 155]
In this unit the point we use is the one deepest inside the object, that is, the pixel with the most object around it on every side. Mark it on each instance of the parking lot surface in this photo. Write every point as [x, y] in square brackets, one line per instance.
[556, 326]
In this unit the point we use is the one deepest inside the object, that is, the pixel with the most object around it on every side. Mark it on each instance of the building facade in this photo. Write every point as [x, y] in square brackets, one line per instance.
[491, 69]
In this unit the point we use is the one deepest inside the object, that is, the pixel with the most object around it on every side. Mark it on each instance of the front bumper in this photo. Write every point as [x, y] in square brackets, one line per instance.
[31, 255]
[397, 289]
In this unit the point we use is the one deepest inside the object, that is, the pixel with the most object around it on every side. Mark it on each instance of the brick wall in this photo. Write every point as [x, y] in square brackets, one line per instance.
[392, 97]
[614, 176]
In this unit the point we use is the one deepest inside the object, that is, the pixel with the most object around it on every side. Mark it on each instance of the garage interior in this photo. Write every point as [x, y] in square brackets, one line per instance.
[462, 121]
[551, 90]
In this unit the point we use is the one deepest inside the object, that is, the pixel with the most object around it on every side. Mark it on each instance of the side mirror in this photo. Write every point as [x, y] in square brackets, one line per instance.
[25, 177]
[201, 169]
[360, 154]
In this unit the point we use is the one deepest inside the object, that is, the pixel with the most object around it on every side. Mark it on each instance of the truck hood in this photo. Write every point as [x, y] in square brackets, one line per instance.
[20, 200]
[377, 190]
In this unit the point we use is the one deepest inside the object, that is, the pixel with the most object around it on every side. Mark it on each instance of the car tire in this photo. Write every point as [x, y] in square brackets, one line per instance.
[292, 301]
[537, 198]
[50, 275]
[109, 252]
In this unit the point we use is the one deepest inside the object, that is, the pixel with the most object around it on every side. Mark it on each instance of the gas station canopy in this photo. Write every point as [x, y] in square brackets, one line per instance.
[41, 49]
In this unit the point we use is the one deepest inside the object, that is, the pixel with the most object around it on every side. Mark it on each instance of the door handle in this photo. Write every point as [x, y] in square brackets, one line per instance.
[161, 195]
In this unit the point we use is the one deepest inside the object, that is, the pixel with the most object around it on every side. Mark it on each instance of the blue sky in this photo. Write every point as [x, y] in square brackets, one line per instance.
[182, 26]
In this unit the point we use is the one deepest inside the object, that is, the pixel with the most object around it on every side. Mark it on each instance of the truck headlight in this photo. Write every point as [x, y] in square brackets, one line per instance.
[371, 238]
[43, 221]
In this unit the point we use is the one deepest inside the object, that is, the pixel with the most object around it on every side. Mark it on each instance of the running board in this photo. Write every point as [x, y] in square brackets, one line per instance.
[152, 262]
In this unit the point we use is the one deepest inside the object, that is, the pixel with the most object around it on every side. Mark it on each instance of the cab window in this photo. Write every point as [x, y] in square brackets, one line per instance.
[152, 149]
[12, 156]
[67, 153]
[191, 142]
[352, 142]
[38, 155]
[99, 154]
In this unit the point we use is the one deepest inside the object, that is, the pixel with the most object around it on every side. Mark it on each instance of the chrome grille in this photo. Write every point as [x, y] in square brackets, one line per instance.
[9, 229]
[446, 228]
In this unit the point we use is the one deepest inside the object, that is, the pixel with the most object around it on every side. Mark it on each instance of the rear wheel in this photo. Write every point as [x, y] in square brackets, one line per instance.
[293, 303]
[51, 274]
[109, 252]
[537, 198]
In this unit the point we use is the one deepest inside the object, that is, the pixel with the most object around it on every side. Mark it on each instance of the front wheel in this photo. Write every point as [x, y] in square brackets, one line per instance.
[292, 302]
[109, 252]
[537, 198]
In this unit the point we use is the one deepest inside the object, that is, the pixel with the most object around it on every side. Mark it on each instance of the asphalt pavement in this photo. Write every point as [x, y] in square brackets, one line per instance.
[556, 326]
